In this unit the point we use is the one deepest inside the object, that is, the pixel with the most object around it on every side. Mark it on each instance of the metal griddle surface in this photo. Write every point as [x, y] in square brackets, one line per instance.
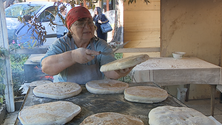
[95, 103]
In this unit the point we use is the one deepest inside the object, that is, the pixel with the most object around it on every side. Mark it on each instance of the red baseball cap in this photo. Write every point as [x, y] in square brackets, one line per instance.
[75, 14]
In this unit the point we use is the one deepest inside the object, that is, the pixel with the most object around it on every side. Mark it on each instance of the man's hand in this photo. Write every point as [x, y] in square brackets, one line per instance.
[116, 74]
[99, 21]
[82, 55]
[124, 72]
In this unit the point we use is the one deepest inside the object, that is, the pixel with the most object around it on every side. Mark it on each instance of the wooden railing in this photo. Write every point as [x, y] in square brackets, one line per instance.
[138, 50]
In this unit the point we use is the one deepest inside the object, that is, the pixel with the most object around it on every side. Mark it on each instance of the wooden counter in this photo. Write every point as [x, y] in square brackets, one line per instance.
[96, 103]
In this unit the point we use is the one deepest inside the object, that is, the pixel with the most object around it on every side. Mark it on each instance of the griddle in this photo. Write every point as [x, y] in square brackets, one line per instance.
[96, 103]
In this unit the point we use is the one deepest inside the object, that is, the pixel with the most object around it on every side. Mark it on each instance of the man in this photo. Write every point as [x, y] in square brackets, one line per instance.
[75, 57]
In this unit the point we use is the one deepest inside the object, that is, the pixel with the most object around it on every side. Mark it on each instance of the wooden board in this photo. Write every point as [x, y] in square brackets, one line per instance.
[142, 24]
[154, 5]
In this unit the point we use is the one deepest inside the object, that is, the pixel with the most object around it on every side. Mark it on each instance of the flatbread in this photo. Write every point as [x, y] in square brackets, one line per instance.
[39, 82]
[111, 118]
[57, 90]
[53, 113]
[36, 59]
[106, 86]
[145, 94]
[169, 115]
[124, 63]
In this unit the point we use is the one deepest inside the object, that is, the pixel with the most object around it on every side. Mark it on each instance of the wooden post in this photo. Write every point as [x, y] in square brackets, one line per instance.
[7, 78]
[119, 14]
[107, 5]
[212, 102]
[84, 3]
[188, 92]
[102, 5]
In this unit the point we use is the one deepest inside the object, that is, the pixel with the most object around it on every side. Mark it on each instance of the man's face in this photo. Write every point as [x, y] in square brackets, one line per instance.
[83, 29]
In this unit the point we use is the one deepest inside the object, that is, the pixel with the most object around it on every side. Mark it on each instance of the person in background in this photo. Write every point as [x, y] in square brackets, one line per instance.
[61, 29]
[100, 18]
[76, 57]
[27, 35]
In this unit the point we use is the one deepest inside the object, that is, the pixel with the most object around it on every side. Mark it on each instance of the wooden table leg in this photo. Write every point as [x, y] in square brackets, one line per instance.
[213, 89]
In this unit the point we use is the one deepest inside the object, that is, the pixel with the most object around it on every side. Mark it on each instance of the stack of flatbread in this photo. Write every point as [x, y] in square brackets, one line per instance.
[145, 94]
[124, 63]
[106, 86]
[53, 113]
[169, 115]
[57, 90]
[111, 118]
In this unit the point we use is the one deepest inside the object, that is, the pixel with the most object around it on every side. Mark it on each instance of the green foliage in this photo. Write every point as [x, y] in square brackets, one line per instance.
[17, 66]
[2, 88]
[118, 55]
[13, 46]
[127, 79]
[131, 1]
[40, 30]
[1, 99]
[3, 53]
[2, 73]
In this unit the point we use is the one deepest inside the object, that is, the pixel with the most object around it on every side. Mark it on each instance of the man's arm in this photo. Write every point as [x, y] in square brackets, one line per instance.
[54, 64]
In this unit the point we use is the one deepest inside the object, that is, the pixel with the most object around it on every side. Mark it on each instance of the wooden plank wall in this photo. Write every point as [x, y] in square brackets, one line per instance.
[142, 26]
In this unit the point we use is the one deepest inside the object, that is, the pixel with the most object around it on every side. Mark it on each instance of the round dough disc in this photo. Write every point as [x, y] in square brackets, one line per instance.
[39, 82]
[57, 90]
[124, 63]
[106, 86]
[53, 113]
[145, 94]
[111, 118]
[169, 115]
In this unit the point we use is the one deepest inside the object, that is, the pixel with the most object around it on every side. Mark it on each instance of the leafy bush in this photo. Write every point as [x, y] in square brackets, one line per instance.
[118, 55]
[17, 66]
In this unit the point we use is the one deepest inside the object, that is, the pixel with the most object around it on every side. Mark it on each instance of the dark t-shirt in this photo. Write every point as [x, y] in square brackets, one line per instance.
[99, 31]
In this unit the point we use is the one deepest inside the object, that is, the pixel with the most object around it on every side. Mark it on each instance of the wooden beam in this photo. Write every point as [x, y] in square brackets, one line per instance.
[7, 78]
[212, 102]
[138, 50]
[107, 5]
[30, 51]
[84, 3]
